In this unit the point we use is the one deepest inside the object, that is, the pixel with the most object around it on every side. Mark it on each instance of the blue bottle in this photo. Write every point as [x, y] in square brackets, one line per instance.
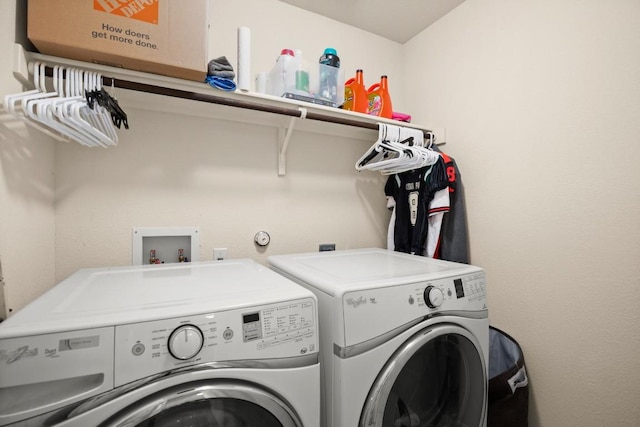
[329, 70]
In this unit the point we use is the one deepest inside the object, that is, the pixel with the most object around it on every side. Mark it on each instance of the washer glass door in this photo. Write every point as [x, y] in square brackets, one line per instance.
[436, 378]
[229, 404]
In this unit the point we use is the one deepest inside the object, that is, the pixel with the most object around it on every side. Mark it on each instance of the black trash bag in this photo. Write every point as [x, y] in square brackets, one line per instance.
[508, 382]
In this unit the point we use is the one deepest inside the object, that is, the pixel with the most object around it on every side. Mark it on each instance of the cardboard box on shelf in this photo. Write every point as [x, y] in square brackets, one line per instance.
[155, 36]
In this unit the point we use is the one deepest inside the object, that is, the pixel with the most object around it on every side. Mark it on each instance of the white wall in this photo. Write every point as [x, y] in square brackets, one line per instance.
[541, 101]
[173, 170]
[26, 191]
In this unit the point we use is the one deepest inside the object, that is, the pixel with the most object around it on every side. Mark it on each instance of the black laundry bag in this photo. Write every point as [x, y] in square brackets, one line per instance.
[508, 382]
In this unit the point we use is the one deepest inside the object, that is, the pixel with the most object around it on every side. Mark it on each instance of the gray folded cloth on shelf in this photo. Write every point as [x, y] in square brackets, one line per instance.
[220, 67]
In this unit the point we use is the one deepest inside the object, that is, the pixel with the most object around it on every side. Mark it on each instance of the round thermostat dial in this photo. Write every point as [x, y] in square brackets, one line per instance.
[262, 238]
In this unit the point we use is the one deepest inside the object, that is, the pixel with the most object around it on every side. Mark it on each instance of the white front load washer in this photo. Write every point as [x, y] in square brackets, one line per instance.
[404, 340]
[226, 343]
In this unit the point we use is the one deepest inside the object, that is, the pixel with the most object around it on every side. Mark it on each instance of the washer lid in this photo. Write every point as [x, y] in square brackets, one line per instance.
[113, 296]
[337, 272]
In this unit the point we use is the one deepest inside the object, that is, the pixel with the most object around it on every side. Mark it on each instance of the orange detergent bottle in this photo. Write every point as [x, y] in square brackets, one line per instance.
[379, 99]
[355, 94]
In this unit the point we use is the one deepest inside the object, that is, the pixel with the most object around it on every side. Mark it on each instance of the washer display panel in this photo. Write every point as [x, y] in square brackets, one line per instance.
[437, 378]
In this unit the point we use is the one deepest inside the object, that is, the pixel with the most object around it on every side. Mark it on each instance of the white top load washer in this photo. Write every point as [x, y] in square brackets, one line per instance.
[404, 339]
[215, 343]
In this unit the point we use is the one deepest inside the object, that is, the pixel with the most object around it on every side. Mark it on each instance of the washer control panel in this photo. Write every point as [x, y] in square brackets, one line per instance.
[467, 292]
[281, 330]
[370, 313]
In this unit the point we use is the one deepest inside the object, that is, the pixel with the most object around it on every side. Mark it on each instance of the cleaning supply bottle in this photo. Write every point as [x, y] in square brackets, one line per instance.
[355, 94]
[282, 77]
[379, 99]
[329, 69]
[301, 75]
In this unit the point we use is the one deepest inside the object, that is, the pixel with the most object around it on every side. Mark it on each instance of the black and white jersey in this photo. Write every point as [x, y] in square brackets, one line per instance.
[412, 191]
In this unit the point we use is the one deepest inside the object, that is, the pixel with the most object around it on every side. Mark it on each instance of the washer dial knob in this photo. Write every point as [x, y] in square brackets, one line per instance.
[433, 297]
[185, 342]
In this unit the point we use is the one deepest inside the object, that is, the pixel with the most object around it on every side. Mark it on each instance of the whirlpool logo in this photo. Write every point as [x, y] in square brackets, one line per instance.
[141, 10]
[355, 302]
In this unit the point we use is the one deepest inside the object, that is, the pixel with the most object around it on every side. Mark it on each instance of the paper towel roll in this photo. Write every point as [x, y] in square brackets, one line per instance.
[244, 58]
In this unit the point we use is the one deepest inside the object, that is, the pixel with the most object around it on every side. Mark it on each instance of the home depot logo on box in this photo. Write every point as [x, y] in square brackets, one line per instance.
[141, 10]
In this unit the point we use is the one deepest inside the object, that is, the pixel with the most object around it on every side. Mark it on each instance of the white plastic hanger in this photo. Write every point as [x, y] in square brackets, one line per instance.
[17, 104]
[49, 113]
[99, 116]
[64, 113]
[381, 150]
[95, 120]
[398, 149]
[67, 114]
[71, 112]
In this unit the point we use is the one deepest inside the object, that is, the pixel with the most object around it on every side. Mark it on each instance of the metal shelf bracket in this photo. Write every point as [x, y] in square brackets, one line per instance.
[284, 137]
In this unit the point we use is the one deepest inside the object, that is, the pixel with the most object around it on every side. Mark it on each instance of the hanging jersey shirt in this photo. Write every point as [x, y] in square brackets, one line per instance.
[412, 191]
[453, 243]
[438, 206]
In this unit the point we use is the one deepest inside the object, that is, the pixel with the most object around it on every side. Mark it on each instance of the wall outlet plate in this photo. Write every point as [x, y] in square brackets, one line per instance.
[219, 254]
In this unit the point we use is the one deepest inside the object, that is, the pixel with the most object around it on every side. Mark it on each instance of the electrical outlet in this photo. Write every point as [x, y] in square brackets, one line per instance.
[219, 254]
[324, 247]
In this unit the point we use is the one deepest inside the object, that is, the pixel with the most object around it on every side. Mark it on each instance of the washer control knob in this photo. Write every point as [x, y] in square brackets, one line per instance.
[433, 297]
[185, 342]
